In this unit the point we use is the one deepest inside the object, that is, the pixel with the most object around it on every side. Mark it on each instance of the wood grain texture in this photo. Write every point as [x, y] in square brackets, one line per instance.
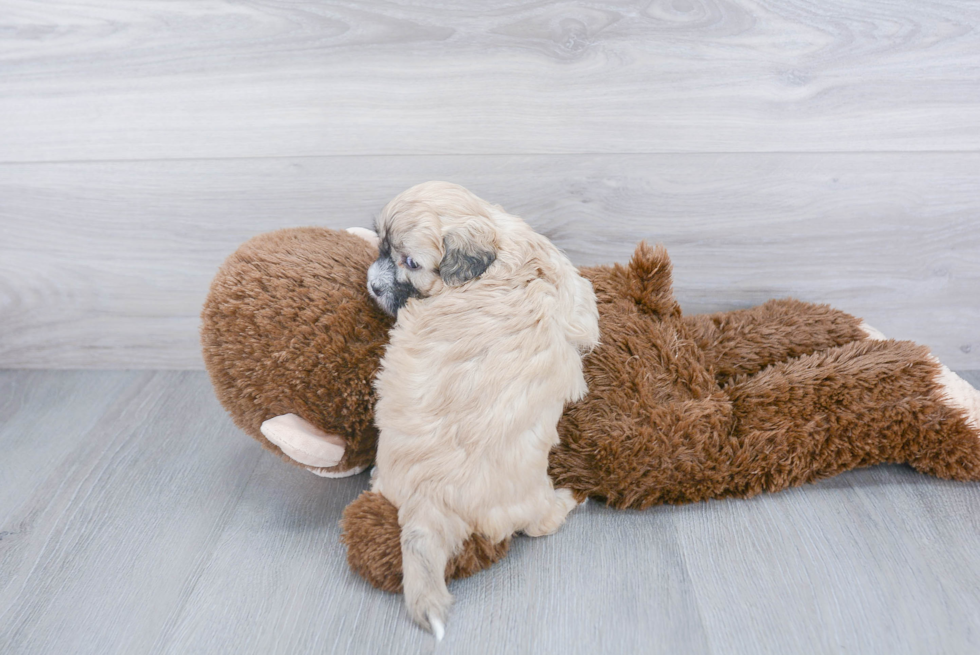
[852, 554]
[88, 79]
[44, 419]
[107, 264]
[162, 529]
[105, 550]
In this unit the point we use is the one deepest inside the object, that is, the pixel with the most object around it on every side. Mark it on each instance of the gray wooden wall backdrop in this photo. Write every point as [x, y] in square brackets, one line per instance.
[825, 149]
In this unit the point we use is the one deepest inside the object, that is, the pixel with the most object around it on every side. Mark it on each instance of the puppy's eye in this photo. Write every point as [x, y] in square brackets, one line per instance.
[410, 263]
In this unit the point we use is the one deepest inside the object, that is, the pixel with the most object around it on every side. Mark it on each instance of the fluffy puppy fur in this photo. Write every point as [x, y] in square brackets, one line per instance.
[492, 322]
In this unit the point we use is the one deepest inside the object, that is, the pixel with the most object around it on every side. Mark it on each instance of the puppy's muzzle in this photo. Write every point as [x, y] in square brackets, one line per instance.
[388, 291]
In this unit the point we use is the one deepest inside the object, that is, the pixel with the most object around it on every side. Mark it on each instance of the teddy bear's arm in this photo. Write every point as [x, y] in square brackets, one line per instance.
[746, 341]
[368, 235]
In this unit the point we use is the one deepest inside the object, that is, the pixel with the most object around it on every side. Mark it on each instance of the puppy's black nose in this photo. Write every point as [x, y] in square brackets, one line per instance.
[376, 288]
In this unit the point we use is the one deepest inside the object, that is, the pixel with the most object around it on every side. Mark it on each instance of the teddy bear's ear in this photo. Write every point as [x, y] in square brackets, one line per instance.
[649, 284]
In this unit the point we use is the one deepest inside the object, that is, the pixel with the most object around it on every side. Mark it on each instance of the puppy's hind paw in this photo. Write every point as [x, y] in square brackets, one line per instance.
[430, 611]
[437, 627]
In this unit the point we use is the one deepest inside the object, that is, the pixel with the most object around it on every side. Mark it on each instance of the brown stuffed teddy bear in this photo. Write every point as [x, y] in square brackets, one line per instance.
[679, 409]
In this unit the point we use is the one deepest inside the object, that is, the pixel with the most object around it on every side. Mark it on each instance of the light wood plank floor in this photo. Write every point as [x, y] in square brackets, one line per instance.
[135, 518]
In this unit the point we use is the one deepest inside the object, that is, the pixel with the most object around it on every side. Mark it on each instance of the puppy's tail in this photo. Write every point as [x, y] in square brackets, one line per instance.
[429, 537]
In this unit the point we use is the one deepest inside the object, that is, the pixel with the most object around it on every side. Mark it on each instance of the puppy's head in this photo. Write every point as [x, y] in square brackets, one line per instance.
[433, 236]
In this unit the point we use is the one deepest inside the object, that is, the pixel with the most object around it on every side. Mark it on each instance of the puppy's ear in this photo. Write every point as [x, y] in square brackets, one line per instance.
[469, 251]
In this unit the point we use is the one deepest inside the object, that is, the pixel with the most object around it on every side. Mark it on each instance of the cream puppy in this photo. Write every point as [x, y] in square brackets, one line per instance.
[492, 322]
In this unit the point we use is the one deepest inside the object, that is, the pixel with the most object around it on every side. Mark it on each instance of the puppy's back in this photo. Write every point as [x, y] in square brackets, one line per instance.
[470, 392]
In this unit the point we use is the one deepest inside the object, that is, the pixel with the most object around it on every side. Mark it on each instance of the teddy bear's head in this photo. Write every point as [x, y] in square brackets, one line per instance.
[288, 328]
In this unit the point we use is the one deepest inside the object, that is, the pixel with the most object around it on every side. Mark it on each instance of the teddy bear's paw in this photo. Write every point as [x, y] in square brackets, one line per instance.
[368, 235]
[960, 394]
[303, 442]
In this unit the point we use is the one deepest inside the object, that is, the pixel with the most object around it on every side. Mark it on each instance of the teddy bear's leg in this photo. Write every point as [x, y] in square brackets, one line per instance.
[744, 342]
[958, 392]
[864, 403]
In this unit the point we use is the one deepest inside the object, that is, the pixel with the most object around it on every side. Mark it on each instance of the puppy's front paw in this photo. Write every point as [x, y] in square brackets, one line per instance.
[562, 503]
[430, 609]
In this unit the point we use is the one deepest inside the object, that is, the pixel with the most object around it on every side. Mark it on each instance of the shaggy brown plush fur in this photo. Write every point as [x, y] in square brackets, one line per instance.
[686, 409]
[374, 548]
[288, 328]
[679, 409]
